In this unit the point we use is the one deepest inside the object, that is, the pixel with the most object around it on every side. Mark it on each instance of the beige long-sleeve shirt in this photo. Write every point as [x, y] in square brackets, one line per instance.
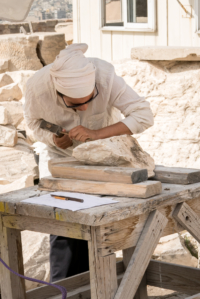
[42, 102]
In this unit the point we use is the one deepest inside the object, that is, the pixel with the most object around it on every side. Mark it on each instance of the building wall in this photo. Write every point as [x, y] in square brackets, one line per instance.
[172, 30]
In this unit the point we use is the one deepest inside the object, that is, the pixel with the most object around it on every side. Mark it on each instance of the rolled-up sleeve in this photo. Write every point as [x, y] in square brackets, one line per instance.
[137, 111]
[33, 120]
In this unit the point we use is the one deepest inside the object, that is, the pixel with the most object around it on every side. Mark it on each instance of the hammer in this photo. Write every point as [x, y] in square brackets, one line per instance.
[55, 129]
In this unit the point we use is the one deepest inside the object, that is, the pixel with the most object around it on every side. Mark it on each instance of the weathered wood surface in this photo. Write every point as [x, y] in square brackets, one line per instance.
[177, 175]
[103, 274]
[12, 286]
[123, 175]
[140, 190]
[49, 226]
[188, 219]
[11, 203]
[173, 277]
[142, 254]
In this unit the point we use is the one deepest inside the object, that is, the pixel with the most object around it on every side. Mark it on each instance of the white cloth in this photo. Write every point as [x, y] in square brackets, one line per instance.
[42, 102]
[73, 74]
[14, 10]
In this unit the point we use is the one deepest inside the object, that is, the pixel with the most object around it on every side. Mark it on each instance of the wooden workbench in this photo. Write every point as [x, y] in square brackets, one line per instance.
[134, 225]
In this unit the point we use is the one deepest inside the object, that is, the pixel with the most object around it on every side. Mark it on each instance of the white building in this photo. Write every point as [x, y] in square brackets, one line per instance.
[112, 27]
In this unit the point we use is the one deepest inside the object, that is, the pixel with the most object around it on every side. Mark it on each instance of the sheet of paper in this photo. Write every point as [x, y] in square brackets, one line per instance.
[90, 201]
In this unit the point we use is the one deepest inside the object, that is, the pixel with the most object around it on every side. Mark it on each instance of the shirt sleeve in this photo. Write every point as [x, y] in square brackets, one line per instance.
[31, 115]
[137, 111]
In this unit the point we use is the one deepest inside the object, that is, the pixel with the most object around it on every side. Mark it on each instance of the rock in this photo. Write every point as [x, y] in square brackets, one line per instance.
[4, 65]
[8, 137]
[67, 29]
[173, 90]
[21, 77]
[171, 249]
[23, 182]
[166, 53]
[15, 112]
[36, 257]
[17, 161]
[3, 116]
[20, 49]
[115, 151]
[49, 46]
[5, 79]
[29, 132]
[10, 92]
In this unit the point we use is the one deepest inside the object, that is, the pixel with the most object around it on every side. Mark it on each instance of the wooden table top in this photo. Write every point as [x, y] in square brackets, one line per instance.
[11, 203]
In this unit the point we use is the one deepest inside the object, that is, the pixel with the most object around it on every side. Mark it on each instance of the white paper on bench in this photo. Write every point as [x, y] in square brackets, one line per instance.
[90, 201]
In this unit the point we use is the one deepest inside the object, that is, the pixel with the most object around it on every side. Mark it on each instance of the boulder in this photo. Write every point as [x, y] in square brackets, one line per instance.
[173, 90]
[3, 116]
[10, 92]
[21, 77]
[8, 137]
[5, 79]
[67, 29]
[171, 249]
[4, 65]
[20, 49]
[24, 182]
[36, 257]
[49, 46]
[17, 161]
[15, 114]
[115, 151]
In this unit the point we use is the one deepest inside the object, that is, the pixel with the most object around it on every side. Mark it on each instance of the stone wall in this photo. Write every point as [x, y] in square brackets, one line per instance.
[41, 26]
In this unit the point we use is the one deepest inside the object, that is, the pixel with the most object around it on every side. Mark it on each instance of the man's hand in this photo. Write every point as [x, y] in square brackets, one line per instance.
[81, 133]
[62, 142]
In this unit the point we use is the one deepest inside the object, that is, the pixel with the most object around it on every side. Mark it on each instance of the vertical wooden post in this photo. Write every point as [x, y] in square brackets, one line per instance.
[142, 289]
[103, 276]
[12, 286]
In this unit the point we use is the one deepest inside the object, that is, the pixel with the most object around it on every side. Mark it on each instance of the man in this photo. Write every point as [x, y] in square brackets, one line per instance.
[86, 98]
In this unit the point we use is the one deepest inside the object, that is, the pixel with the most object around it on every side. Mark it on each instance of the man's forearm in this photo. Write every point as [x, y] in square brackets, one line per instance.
[114, 130]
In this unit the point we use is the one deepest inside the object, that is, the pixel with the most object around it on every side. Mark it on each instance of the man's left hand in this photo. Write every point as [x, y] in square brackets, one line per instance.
[81, 133]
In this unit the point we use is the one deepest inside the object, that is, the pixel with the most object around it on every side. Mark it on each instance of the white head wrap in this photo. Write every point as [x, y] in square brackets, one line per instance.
[73, 74]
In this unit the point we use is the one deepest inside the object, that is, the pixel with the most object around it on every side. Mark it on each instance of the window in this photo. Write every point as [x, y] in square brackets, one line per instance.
[135, 15]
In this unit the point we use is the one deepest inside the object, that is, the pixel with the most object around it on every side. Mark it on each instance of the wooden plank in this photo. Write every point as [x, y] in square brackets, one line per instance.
[103, 277]
[12, 286]
[173, 277]
[177, 175]
[78, 286]
[48, 226]
[141, 257]
[188, 219]
[141, 190]
[123, 175]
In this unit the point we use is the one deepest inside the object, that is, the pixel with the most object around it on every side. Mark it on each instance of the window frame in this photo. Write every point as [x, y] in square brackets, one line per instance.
[197, 16]
[150, 26]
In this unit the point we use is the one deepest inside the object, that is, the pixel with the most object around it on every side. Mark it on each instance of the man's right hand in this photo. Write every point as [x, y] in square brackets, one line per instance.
[62, 142]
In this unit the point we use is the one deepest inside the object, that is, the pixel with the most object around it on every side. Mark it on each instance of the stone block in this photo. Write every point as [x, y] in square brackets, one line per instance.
[3, 116]
[21, 77]
[4, 65]
[20, 49]
[5, 79]
[67, 29]
[8, 136]
[166, 53]
[122, 151]
[4, 182]
[10, 92]
[15, 112]
[24, 182]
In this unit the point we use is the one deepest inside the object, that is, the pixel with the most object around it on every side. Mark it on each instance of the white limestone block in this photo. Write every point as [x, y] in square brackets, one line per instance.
[10, 92]
[5, 79]
[4, 64]
[8, 136]
[3, 116]
[14, 112]
[115, 151]
[21, 77]
[4, 181]
[23, 182]
[67, 29]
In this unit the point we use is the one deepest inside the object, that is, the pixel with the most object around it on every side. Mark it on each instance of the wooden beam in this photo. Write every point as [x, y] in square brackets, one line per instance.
[123, 175]
[141, 190]
[12, 286]
[103, 276]
[173, 277]
[141, 257]
[188, 219]
[177, 175]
